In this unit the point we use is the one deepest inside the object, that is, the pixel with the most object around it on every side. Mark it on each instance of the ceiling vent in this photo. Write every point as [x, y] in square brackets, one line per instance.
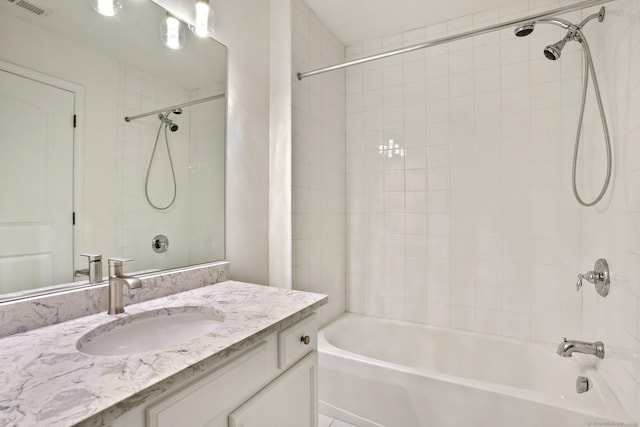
[30, 7]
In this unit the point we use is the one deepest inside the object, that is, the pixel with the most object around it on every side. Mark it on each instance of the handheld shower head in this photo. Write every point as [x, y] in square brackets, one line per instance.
[524, 29]
[553, 51]
[164, 118]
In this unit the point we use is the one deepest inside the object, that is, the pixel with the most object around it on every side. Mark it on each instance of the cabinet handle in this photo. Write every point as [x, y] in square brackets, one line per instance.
[305, 339]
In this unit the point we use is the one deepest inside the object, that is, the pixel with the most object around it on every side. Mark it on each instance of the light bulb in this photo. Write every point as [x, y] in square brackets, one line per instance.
[203, 24]
[107, 7]
[173, 32]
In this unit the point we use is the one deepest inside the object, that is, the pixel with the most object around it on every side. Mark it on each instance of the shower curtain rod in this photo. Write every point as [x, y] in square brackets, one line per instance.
[173, 107]
[460, 36]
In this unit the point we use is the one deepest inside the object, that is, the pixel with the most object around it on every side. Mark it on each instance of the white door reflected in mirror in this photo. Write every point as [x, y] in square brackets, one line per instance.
[36, 141]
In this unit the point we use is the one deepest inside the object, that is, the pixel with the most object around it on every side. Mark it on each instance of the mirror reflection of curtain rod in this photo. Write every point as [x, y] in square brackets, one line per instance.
[569, 8]
[173, 107]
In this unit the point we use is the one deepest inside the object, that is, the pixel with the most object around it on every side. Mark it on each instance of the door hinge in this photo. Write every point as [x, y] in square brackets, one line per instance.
[73, 218]
[75, 121]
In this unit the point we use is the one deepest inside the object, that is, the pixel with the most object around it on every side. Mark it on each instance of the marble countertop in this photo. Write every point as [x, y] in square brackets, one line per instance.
[45, 380]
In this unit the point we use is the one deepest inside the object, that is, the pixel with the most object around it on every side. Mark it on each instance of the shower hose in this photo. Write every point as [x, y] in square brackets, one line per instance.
[589, 68]
[173, 173]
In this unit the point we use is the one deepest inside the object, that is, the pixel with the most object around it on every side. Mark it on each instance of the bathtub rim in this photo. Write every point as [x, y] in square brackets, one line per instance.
[611, 410]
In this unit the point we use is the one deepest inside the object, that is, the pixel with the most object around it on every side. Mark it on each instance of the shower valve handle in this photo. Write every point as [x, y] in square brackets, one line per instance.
[599, 276]
[589, 276]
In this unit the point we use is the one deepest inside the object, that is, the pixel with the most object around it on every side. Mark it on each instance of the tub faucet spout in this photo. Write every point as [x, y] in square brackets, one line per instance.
[568, 347]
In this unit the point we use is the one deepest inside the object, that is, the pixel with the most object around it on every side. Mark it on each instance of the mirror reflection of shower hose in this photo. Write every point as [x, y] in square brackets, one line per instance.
[173, 173]
[589, 68]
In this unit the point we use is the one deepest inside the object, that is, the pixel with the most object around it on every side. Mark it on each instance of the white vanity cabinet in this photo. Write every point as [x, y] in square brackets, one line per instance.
[272, 383]
[289, 400]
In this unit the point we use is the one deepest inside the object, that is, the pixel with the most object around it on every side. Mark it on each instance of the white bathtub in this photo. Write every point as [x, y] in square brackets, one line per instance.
[376, 372]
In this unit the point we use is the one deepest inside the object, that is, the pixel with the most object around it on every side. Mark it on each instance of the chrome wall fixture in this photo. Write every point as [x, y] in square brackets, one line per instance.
[568, 347]
[600, 277]
[508, 24]
[160, 244]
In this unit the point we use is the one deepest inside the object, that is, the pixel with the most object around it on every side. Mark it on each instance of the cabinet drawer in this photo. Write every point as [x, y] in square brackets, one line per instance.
[296, 341]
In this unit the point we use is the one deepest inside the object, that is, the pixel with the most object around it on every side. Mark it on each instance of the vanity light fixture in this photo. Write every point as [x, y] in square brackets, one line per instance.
[203, 24]
[173, 32]
[107, 7]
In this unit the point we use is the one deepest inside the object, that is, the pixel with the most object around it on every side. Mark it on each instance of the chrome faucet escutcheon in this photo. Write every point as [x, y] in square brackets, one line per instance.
[568, 347]
[116, 280]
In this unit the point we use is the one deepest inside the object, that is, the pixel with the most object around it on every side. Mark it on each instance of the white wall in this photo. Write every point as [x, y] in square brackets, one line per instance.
[280, 221]
[612, 229]
[318, 165]
[243, 26]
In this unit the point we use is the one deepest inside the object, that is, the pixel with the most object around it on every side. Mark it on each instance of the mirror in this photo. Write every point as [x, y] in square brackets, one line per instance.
[75, 177]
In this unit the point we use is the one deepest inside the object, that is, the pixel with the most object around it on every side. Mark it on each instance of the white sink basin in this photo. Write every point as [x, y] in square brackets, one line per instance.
[150, 330]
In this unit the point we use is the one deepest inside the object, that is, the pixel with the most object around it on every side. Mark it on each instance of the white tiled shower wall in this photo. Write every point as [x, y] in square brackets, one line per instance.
[318, 162]
[470, 221]
[198, 160]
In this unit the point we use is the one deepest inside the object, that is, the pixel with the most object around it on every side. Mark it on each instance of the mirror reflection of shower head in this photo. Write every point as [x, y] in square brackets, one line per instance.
[164, 118]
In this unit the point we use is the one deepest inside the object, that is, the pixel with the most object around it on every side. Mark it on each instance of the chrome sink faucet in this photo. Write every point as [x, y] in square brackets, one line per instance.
[116, 280]
[568, 347]
[94, 270]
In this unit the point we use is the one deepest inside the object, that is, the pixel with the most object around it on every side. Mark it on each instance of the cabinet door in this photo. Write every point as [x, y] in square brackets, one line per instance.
[288, 401]
[208, 401]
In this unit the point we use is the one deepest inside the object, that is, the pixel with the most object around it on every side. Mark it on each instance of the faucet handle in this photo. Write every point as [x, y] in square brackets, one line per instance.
[119, 261]
[93, 257]
[589, 276]
[115, 265]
